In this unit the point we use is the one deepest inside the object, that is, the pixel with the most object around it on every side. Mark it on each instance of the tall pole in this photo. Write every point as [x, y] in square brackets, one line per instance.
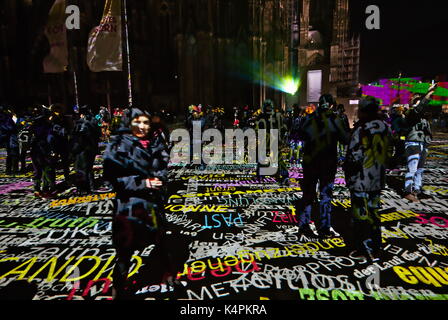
[49, 91]
[399, 88]
[108, 95]
[128, 53]
[76, 88]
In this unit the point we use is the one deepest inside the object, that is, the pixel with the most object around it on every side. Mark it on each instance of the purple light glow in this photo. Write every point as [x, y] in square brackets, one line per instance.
[387, 94]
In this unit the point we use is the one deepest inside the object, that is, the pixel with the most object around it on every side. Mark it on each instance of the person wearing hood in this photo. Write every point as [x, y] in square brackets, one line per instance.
[59, 138]
[270, 119]
[367, 158]
[42, 153]
[86, 136]
[320, 132]
[8, 138]
[136, 165]
[24, 138]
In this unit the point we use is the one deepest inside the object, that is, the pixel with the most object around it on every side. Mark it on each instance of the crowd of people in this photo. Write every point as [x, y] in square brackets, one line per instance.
[135, 165]
[320, 138]
[56, 139]
[136, 159]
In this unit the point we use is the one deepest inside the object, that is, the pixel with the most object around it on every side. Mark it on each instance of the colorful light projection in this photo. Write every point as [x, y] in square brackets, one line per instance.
[254, 72]
[289, 85]
[400, 91]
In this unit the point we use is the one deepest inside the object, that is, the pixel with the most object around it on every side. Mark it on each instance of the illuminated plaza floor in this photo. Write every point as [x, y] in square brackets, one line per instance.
[232, 236]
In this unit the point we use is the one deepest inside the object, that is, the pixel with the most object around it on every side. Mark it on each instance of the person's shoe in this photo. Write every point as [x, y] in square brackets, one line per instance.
[412, 198]
[49, 194]
[327, 233]
[285, 182]
[376, 256]
[82, 193]
[358, 254]
[421, 195]
[306, 230]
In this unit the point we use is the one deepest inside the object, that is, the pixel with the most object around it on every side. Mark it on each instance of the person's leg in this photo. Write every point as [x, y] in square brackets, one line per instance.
[37, 177]
[8, 159]
[90, 176]
[122, 239]
[121, 271]
[360, 220]
[418, 180]
[308, 185]
[22, 156]
[48, 178]
[81, 174]
[325, 206]
[373, 207]
[65, 160]
[413, 159]
[326, 185]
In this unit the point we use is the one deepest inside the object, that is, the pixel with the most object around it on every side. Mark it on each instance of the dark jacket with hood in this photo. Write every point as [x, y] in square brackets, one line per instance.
[418, 128]
[127, 165]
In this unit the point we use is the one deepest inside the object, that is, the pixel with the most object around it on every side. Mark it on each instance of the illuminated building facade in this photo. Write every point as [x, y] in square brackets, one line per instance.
[221, 53]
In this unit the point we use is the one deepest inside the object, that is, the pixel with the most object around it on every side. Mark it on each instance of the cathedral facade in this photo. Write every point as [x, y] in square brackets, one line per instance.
[222, 53]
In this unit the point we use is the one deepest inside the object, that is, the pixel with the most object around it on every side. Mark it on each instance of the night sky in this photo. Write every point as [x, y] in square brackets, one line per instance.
[413, 39]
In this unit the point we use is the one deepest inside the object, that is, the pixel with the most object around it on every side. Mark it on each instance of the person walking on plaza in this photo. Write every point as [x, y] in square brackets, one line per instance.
[398, 127]
[8, 138]
[418, 138]
[340, 110]
[368, 155]
[86, 136]
[59, 138]
[135, 164]
[320, 131]
[42, 153]
[24, 138]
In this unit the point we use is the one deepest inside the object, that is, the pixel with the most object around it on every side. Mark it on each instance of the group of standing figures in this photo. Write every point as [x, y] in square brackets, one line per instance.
[370, 147]
[136, 167]
[136, 164]
[53, 141]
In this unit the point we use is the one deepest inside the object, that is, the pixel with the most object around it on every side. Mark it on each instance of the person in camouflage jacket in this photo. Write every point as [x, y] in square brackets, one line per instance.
[368, 155]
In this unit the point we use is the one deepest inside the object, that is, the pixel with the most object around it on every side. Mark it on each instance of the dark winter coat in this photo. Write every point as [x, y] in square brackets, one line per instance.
[127, 165]
[321, 132]
[8, 132]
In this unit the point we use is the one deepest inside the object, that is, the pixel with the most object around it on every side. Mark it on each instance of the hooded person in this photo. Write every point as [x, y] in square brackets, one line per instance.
[367, 158]
[320, 132]
[59, 138]
[269, 119]
[85, 139]
[8, 138]
[42, 152]
[136, 165]
[24, 138]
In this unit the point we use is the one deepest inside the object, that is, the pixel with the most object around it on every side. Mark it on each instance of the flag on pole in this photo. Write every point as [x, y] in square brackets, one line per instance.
[57, 60]
[104, 50]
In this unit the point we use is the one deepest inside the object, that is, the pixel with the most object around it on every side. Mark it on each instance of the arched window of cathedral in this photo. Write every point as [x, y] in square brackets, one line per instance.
[267, 17]
[165, 26]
